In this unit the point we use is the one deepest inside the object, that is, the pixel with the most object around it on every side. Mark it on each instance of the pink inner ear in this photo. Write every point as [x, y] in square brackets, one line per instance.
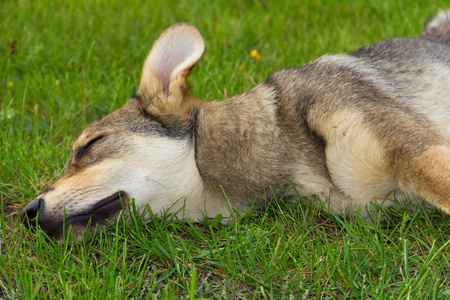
[173, 52]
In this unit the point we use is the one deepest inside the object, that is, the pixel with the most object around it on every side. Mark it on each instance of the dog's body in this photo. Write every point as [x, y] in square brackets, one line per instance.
[350, 129]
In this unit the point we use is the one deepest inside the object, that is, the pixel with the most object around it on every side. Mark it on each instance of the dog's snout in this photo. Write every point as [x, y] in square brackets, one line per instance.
[30, 212]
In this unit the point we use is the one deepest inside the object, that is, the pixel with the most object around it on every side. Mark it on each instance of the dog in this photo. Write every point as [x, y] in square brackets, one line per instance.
[351, 130]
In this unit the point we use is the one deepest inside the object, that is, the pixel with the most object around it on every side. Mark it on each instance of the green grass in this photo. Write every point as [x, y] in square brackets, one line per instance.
[75, 61]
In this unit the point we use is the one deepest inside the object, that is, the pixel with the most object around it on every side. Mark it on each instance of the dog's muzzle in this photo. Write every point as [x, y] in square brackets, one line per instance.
[37, 214]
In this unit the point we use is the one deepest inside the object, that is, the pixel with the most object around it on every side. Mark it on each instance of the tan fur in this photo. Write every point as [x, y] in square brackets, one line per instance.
[430, 176]
[356, 159]
[351, 130]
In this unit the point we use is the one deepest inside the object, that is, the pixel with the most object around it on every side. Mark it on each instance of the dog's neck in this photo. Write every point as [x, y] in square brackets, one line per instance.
[239, 145]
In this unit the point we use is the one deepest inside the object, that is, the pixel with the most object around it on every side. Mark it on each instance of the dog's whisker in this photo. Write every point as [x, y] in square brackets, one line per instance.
[159, 183]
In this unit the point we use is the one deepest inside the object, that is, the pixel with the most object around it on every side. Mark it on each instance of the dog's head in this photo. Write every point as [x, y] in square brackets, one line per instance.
[142, 151]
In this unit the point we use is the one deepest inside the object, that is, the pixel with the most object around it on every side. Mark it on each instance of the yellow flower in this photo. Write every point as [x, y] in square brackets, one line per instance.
[255, 54]
[10, 84]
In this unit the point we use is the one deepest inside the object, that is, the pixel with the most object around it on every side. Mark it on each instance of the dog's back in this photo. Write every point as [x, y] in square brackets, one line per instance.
[382, 114]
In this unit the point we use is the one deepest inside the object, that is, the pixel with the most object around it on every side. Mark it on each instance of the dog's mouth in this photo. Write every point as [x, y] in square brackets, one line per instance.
[101, 214]
[100, 211]
[110, 203]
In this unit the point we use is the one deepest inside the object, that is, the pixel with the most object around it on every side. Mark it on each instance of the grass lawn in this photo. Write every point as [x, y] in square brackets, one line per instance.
[64, 64]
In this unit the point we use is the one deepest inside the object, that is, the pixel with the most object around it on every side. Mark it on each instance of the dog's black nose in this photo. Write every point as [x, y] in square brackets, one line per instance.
[30, 212]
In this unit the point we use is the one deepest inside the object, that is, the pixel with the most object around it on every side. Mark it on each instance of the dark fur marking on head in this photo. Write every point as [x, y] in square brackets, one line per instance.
[169, 125]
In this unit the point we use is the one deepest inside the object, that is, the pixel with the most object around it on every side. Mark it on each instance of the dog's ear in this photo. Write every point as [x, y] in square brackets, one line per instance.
[170, 61]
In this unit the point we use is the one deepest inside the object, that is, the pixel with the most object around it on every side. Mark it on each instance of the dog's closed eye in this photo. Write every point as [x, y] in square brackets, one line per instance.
[82, 150]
